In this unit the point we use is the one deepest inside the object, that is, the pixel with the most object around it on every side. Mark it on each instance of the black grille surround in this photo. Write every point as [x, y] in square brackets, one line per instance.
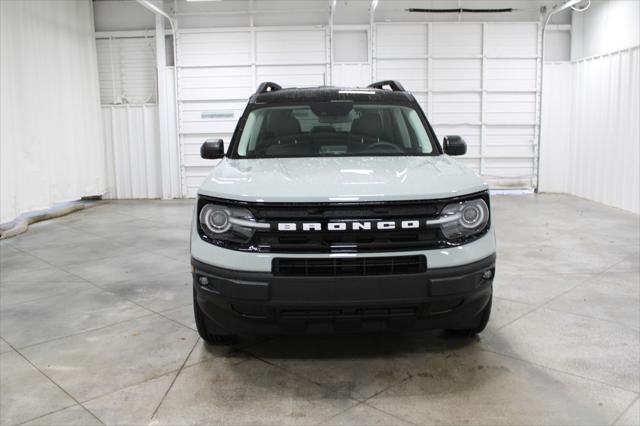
[274, 241]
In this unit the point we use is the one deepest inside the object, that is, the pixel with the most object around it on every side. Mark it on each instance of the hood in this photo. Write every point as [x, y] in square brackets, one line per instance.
[340, 179]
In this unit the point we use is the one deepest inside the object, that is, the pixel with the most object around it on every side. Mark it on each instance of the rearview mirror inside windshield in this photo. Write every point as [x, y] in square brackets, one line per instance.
[332, 109]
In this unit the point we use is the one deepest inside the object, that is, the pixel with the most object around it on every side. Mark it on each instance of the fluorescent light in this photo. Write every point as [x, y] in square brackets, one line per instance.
[374, 4]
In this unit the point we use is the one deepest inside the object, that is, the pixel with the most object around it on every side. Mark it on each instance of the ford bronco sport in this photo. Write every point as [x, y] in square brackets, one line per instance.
[337, 210]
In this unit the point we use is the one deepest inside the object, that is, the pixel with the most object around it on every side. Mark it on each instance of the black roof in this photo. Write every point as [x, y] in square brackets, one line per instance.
[330, 93]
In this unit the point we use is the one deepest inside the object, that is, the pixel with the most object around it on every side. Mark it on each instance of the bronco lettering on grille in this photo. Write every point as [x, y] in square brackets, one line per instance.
[382, 225]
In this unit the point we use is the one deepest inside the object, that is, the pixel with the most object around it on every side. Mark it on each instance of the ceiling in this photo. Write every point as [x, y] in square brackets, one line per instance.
[113, 15]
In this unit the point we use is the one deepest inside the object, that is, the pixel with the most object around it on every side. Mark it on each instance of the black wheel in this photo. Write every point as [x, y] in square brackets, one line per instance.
[204, 330]
[481, 323]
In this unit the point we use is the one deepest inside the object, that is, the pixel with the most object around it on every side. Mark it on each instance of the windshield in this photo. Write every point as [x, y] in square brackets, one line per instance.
[339, 128]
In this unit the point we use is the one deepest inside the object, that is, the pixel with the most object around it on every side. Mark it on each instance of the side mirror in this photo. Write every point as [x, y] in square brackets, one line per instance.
[212, 149]
[454, 145]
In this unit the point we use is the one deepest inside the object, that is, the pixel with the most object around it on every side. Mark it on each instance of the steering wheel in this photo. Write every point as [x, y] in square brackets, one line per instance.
[378, 145]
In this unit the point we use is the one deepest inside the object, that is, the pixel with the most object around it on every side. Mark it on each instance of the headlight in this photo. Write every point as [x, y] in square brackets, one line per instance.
[463, 219]
[215, 219]
[225, 223]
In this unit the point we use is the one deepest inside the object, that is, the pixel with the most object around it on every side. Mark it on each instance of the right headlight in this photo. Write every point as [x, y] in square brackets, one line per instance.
[463, 219]
[226, 223]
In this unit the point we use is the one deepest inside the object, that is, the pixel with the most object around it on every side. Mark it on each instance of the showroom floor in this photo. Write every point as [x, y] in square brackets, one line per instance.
[96, 326]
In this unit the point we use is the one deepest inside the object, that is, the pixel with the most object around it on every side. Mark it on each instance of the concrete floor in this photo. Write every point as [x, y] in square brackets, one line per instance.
[96, 326]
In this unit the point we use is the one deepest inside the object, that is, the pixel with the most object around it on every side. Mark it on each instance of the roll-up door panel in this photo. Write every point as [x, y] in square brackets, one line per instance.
[456, 40]
[214, 48]
[290, 47]
[478, 80]
[220, 70]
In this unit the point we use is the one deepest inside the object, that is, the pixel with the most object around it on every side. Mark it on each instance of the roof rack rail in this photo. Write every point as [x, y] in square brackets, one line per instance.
[268, 86]
[394, 85]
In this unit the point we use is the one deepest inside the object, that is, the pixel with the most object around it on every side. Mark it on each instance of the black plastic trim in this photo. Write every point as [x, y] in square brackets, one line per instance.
[448, 200]
[239, 302]
[267, 86]
[250, 276]
[393, 84]
[345, 247]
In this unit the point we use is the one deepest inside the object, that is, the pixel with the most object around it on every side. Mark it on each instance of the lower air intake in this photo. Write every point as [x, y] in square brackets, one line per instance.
[362, 266]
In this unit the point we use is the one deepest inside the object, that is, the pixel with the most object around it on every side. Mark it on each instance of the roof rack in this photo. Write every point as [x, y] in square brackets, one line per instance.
[394, 85]
[268, 86]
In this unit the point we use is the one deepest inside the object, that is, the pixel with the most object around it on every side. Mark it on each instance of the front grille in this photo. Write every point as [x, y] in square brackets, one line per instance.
[393, 265]
[348, 241]
[345, 241]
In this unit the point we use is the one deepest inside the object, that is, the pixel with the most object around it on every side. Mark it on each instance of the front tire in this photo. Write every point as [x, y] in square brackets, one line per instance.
[204, 330]
[481, 321]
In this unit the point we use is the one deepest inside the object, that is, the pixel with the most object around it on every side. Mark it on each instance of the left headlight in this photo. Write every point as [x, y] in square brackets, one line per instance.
[463, 219]
[233, 224]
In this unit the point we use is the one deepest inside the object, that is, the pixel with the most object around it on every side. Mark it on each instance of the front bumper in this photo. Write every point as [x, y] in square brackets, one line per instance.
[240, 302]
[214, 255]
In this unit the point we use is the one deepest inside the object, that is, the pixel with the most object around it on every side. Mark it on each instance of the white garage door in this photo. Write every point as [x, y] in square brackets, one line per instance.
[219, 70]
[472, 79]
[475, 80]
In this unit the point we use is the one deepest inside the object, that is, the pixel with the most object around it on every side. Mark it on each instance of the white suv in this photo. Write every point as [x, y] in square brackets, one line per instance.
[337, 210]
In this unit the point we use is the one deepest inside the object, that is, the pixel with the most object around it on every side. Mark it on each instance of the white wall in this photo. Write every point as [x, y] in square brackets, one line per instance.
[132, 151]
[127, 69]
[590, 128]
[557, 97]
[605, 130]
[122, 16]
[607, 26]
[50, 139]
[557, 43]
